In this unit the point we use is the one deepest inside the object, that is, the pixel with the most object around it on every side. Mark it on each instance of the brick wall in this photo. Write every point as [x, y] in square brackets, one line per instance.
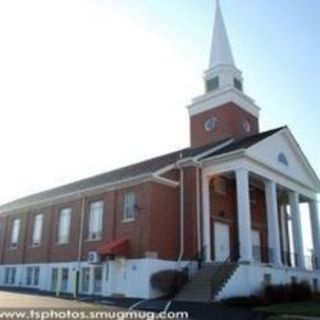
[155, 230]
[152, 199]
[230, 120]
[164, 227]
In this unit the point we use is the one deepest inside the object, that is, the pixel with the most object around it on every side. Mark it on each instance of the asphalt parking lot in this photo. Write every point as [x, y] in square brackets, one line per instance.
[196, 311]
[24, 300]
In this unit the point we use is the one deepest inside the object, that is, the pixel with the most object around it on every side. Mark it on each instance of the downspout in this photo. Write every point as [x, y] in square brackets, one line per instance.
[83, 210]
[77, 274]
[181, 213]
[198, 209]
[5, 232]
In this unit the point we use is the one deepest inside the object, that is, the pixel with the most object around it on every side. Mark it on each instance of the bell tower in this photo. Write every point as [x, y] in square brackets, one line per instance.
[223, 111]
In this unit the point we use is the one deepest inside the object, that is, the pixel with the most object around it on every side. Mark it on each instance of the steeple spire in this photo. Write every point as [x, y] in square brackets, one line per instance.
[222, 73]
[224, 110]
[221, 53]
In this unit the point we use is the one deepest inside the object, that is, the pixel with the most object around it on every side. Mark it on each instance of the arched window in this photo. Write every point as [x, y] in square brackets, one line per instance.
[283, 159]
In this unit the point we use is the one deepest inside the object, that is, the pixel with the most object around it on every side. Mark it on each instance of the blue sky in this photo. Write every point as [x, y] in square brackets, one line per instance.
[276, 43]
[92, 85]
[75, 74]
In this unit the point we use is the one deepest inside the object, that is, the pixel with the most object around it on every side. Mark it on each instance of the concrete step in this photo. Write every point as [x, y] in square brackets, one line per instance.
[207, 282]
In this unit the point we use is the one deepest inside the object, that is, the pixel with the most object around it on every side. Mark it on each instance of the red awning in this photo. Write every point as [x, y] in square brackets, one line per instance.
[115, 248]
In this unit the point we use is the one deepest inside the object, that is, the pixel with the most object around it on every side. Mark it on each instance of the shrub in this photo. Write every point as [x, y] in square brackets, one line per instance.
[169, 282]
[246, 302]
[288, 292]
[301, 291]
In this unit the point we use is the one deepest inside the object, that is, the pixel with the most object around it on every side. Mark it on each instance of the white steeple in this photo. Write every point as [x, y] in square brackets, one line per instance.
[222, 72]
[223, 81]
[221, 53]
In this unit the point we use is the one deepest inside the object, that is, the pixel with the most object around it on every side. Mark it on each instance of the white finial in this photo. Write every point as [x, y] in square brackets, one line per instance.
[221, 53]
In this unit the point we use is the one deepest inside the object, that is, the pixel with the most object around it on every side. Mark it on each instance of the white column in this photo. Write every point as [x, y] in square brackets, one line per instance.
[244, 215]
[284, 233]
[273, 221]
[206, 222]
[296, 228]
[315, 228]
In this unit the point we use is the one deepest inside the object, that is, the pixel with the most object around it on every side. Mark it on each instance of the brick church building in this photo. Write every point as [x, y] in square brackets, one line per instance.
[232, 198]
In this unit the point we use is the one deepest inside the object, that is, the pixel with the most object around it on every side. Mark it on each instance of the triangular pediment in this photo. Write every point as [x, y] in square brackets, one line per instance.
[282, 153]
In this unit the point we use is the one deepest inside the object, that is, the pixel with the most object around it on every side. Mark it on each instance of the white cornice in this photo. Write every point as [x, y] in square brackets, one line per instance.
[232, 160]
[217, 99]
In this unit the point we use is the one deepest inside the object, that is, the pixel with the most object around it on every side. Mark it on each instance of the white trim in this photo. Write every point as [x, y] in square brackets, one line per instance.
[301, 155]
[238, 160]
[165, 181]
[213, 149]
[217, 99]
[165, 169]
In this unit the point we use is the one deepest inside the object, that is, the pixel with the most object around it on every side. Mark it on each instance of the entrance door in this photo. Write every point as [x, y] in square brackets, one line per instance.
[222, 241]
[256, 243]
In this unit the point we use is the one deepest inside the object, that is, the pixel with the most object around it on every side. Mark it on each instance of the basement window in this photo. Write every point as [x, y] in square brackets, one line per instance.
[54, 279]
[85, 279]
[64, 279]
[315, 285]
[10, 276]
[267, 279]
[32, 276]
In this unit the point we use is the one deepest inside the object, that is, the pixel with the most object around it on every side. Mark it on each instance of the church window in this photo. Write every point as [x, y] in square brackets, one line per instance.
[212, 84]
[237, 84]
[129, 206]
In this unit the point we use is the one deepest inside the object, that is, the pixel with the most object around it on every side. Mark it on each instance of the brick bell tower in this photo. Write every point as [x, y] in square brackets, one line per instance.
[223, 111]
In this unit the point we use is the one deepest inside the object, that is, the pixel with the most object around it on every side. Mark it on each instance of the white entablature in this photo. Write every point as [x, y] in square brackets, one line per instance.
[278, 158]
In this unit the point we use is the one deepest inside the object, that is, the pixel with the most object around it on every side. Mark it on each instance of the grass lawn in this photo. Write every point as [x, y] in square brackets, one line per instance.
[308, 308]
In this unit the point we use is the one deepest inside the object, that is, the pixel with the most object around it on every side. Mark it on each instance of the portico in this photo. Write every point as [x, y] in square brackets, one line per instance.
[283, 196]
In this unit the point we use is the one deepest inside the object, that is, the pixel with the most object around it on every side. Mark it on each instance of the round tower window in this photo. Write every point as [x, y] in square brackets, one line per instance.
[210, 124]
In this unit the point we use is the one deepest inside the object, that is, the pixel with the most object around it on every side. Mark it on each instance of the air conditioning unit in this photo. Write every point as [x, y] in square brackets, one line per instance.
[93, 257]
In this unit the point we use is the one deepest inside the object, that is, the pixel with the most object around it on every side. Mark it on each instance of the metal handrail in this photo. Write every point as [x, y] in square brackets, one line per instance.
[222, 267]
[198, 257]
